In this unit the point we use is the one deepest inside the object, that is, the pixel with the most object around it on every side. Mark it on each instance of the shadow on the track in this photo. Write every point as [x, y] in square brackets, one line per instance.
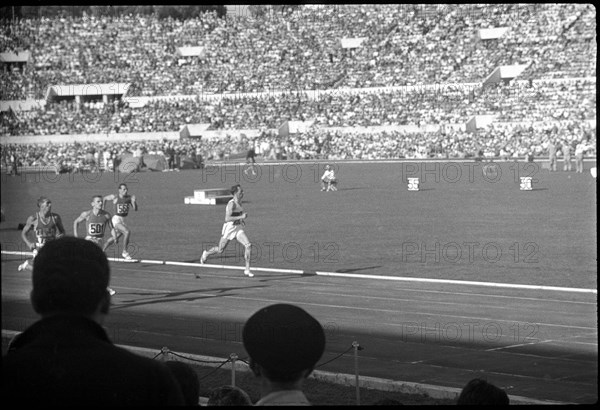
[357, 269]
[272, 277]
[145, 265]
[168, 297]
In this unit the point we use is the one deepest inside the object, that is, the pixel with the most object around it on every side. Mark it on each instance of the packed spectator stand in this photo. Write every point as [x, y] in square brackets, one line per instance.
[294, 63]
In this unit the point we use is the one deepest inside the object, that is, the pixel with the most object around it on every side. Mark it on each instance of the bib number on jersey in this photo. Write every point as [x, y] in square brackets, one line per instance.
[122, 208]
[95, 229]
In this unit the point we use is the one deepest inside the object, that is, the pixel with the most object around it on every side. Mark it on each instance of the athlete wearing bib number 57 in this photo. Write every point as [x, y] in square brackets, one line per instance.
[123, 202]
[46, 225]
[233, 228]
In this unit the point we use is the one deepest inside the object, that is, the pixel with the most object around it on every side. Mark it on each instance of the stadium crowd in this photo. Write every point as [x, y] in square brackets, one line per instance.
[504, 141]
[301, 48]
[520, 101]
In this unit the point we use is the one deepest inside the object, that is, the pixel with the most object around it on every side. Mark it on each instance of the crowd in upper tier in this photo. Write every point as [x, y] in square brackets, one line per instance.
[302, 48]
[517, 102]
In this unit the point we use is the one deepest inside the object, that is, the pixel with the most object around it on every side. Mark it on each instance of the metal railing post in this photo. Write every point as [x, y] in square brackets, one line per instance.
[356, 347]
[233, 357]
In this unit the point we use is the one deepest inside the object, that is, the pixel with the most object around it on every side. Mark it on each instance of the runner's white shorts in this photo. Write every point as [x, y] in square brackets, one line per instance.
[231, 231]
[118, 219]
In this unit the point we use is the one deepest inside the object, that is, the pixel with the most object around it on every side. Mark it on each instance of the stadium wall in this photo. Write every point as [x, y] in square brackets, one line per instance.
[253, 133]
[310, 94]
[398, 128]
[202, 131]
[111, 137]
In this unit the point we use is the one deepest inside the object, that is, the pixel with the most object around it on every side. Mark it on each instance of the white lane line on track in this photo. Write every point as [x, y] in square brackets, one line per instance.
[518, 345]
[460, 282]
[420, 290]
[395, 278]
[356, 296]
[351, 161]
[491, 320]
[152, 261]
[560, 341]
[207, 265]
[358, 276]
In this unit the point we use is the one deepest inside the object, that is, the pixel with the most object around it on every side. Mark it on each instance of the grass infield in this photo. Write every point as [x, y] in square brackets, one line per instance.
[467, 222]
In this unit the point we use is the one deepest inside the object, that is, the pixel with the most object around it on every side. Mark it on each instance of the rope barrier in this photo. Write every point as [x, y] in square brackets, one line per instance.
[335, 358]
[194, 360]
[234, 358]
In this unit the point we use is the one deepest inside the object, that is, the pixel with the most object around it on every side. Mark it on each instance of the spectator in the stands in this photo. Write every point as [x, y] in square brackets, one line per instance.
[481, 392]
[66, 357]
[188, 380]
[228, 396]
[284, 343]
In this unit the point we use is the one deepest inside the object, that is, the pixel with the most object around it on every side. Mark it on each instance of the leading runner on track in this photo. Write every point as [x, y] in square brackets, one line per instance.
[233, 228]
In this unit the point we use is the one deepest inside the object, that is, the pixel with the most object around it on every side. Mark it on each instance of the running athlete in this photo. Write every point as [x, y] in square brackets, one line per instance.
[46, 225]
[250, 160]
[97, 219]
[122, 202]
[233, 228]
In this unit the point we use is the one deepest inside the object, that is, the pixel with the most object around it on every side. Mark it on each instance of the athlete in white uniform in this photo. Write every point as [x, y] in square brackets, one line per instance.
[328, 180]
[46, 225]
[580, 150]
[233, 228]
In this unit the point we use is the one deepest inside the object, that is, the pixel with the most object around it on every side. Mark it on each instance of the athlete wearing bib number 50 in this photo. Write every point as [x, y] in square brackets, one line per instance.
[97, 220]
[233, 228]
[46, 225]
[122, 202]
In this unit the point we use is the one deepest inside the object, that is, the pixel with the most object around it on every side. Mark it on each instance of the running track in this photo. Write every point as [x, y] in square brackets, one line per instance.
[540, 343]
